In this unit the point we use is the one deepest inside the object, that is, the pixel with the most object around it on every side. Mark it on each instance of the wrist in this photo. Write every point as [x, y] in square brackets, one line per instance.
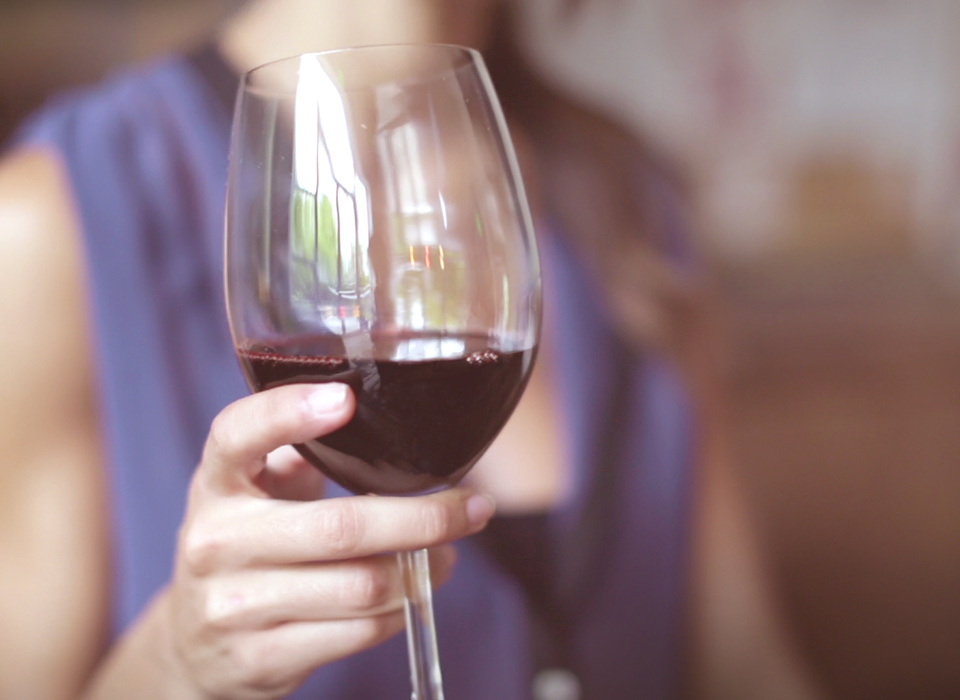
[145, 662]
[170, 664]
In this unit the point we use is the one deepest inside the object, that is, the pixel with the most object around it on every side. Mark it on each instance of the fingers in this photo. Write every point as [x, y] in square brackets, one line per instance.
[289, 477]
[262, 532]
[267, 588]
[277, 660]
[267, 630]
[247, 430]
[368, 587]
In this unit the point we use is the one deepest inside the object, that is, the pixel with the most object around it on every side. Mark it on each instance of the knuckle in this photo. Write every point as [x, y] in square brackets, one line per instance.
[369, 631]
[220, 436]
[436, 522]
[261, 666]
[370, 588]
[201, 550]
[221, 610]
[286, 414]
[341, 527]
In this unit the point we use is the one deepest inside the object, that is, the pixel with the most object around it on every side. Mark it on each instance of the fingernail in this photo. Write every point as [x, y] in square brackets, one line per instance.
[480, 508]
[327, 398]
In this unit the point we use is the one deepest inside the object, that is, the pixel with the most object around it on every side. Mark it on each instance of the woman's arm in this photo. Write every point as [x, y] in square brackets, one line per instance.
[741, 646]
[53, 508]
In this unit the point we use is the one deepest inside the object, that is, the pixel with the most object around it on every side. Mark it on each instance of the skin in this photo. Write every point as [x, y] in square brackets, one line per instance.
[267, 587]
[53, 534]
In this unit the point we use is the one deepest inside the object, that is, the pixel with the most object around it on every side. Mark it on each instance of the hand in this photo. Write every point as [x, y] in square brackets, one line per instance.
[266, 590]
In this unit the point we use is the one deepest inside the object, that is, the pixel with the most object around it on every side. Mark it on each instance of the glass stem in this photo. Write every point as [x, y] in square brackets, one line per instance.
[421, 634]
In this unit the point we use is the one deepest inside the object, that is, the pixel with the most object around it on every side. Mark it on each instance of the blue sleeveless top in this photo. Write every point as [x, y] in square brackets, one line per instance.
[146, 155]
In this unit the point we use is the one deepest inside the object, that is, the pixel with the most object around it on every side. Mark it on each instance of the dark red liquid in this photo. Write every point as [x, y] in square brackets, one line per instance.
[420, 424]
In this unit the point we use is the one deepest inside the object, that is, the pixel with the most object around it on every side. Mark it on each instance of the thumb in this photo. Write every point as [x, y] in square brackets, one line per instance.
[246, 431]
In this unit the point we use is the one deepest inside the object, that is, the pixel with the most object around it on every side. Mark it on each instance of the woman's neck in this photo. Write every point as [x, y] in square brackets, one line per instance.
[267, 30]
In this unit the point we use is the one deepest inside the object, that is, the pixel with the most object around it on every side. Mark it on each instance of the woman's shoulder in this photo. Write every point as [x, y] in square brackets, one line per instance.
[145, 144]
[131, 120]
[124, 95]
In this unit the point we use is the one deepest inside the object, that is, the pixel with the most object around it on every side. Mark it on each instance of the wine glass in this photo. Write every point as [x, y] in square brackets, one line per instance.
[377, 234]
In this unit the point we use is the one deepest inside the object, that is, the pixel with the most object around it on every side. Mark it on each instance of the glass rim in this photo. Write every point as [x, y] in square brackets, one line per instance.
[471, 56]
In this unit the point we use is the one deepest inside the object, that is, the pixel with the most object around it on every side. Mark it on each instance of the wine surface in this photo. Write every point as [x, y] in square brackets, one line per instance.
[424, 416]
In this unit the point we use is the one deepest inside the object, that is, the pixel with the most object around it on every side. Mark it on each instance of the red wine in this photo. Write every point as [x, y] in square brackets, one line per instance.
[420, 424]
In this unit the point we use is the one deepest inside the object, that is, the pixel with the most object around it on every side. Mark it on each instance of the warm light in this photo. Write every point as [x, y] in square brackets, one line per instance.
[442, 265]
[426, 255]
[412, 259]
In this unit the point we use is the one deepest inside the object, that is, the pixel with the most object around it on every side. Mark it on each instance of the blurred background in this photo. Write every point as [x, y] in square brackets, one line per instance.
[822, 139]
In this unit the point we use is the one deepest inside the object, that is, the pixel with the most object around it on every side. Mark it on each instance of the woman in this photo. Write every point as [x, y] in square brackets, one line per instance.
[152, 544]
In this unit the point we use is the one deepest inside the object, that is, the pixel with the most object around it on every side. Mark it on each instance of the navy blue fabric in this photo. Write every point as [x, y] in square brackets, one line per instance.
[147, 154]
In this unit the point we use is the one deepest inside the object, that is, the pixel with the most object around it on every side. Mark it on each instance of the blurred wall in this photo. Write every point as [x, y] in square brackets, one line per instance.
[824, 140]
[46, 45]
[757, 95]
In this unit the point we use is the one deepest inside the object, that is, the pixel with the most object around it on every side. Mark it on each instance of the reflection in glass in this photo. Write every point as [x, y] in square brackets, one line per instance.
[330, 210]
